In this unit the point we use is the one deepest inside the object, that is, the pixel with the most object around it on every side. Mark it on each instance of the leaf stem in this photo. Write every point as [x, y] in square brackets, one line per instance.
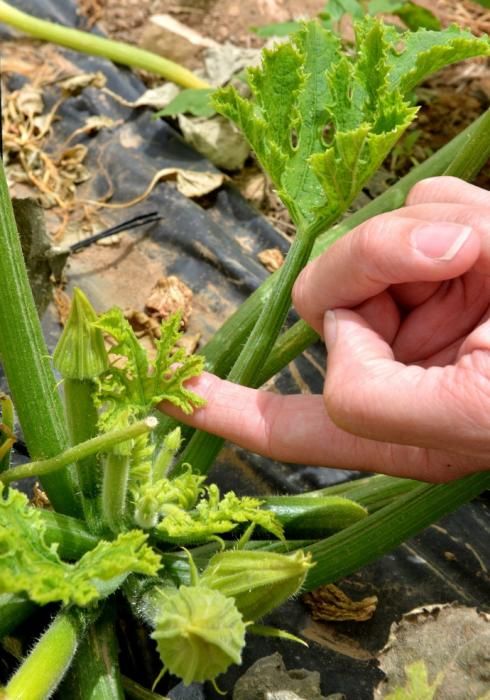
[40, 673]
[101, 443]
[115, 489]
[349, 550]
[203, 448]
[81, 416]
[117, 51]
[95, 674]
[26, 363]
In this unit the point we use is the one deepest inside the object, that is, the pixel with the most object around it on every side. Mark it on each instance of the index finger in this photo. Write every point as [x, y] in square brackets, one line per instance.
[386, 250]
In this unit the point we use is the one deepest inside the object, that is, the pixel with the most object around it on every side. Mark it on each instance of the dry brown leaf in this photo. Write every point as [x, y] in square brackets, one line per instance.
[271, 259]
[74, 85]
[329, 603]
[143, 324]
[453, 641]
[217, 139]
[169, 295]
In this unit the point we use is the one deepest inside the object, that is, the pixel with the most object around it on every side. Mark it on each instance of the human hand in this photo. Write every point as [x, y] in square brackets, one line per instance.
[402, 302]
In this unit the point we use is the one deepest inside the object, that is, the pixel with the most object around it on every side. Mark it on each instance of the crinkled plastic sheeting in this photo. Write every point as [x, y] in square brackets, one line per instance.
[213, 249]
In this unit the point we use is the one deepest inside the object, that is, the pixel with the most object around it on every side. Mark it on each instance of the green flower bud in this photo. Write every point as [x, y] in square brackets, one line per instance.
[80, 353]
[199, 632]
[258, 581]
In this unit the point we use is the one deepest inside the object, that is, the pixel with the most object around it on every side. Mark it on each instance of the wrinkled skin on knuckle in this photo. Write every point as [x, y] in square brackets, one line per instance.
[344, 403]
[428, 190]
[467, 388]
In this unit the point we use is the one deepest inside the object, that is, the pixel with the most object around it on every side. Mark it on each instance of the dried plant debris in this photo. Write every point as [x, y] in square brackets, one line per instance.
[271, 259]
[438, 652]
[217, 139]
[52, 175]
[169, 295]
[329, 603]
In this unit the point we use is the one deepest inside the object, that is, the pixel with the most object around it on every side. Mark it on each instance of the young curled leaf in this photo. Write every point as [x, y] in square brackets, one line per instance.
[199, 632]
[28, 565]
[214, 515]
[154, 500]
[135, 384]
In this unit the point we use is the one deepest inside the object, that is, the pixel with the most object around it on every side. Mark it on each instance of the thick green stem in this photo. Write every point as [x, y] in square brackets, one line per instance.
[115, 489]
[82, 418]
[372, 492]
[202, 448]
[475, 152]
[42, 671]
[94, 674]
[349, 550]
[116, 51]
[25, 360]
[102, 443]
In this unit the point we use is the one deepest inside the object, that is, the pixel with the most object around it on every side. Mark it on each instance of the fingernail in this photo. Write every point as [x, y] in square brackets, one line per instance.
[329, 328]
[440, 241]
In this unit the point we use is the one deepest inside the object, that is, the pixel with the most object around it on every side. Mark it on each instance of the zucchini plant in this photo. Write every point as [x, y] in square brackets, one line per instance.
[134, 522]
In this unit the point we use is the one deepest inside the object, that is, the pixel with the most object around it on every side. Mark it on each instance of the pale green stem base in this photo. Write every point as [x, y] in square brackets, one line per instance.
[43, 669]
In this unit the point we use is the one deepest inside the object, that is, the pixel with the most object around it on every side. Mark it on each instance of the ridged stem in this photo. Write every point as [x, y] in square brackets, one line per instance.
[117, 51]
[351, 549]
[26, 363]
[101, 443]
[115, 489]
[203, 448]
[82, 416]
[94, 673]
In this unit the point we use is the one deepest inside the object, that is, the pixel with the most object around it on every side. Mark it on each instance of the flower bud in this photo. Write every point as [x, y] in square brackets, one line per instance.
[258, 581]
[80, 353]
[199, 632]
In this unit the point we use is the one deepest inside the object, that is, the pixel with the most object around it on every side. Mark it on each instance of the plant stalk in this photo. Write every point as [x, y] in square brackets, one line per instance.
[84, 42]
[135, 691]
[26, 363]
[201, 450]
[101, 443]
[115, 489]
[94, 673]
[82, 416]
[347, 551]
[41, 672]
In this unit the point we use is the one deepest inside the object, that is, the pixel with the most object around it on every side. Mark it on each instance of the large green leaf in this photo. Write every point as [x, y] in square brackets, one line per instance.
[322, 117]
[28, 565]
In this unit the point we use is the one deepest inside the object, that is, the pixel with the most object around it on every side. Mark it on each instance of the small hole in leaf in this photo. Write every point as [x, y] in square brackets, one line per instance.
[294, 138]
[328, 133]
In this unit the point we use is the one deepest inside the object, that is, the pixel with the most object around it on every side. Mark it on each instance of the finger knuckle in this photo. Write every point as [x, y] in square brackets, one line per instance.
[432, 189]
